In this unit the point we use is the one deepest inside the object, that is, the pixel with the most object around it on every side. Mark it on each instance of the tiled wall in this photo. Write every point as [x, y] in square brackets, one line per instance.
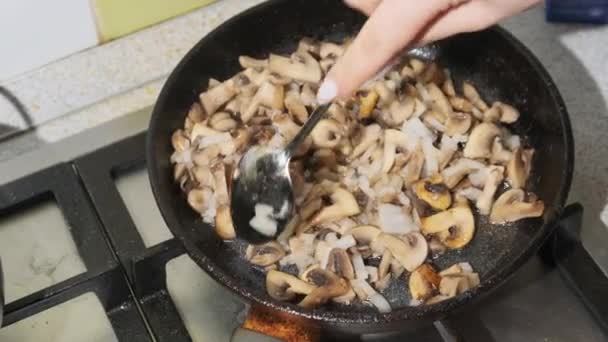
[34, 33]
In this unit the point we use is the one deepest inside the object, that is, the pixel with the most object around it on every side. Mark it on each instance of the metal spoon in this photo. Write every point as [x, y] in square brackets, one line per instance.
[262, 200]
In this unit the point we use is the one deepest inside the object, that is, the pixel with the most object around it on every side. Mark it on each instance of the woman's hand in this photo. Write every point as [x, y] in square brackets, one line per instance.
[395, 25]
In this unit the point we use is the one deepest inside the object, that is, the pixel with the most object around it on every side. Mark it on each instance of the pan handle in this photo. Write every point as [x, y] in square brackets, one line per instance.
[265, 325]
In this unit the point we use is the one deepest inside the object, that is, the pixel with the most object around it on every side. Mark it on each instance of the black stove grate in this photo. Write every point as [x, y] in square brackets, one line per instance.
[129, 279]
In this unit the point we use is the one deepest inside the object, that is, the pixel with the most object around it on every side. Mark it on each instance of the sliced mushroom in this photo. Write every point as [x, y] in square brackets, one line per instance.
[215, 97]
[329, 286]
[393, 139]
[501, 112]
[200, 130]
[396, 268]
[346, 298]
[500, 155]
[365, 234]
[455, 226]
[439, 98]
[284, 287]
[369, 135]
[401, 111]
[198, 199]
[511, 207]
[343, 205]
[367, 103]
[329, 49]
[305, 69]
[434, 192]
[480, 141]
[410, 252]
[486, 199]
[296, 108]
[432, 73]
[223, 223]
[196, 114]
[407, 73]
[413, 168]
[250, 62]
[180, 141]
[417, 65]
[453, 174]
[518, 168]
[448, 86]
[385, 264]
[327, 134]
[269, 95]
[339, 263]
[221, 185]
[265, 254]
[451, 286]
[222, 122]
[206, 156]
[461, 104]
[423, 282]
[179, 171]
[458, 124]
[509, 114]
[471, 93]
[308, 96]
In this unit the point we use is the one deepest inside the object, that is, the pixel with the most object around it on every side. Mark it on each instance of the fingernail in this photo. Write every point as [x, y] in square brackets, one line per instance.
[327, 91]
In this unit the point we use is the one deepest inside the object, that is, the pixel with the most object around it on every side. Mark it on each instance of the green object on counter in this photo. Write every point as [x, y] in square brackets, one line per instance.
[116, 18]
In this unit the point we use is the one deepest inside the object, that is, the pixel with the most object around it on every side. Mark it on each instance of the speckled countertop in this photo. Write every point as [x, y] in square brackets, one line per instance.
[103, 83]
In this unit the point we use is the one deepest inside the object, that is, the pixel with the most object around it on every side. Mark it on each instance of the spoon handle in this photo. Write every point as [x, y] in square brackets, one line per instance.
[312, 121]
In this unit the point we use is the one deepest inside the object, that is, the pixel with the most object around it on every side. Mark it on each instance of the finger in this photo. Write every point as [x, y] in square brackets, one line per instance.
[392, 26]
[367, 7]
[473, 16]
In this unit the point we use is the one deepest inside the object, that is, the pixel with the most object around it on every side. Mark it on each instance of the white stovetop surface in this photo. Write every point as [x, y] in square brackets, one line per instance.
[128, 74]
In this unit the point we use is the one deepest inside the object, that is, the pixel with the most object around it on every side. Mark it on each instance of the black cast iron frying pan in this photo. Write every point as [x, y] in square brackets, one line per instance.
[500, 67]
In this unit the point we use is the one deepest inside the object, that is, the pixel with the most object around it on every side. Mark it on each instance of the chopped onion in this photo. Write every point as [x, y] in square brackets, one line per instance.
[345, 242]
[512, 142]
[183, 157]
[416, 130]
[470, 193]
[364, 186]
[214, 139]
[359, 266]
[478, 178]
[394, 220]
[435, 124]
[322, 252]
[431, 158]
[372, 296]
[403, 199]
[302, 249]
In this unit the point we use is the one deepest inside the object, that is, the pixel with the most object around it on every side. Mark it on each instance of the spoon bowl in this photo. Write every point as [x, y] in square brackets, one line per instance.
[262, 200]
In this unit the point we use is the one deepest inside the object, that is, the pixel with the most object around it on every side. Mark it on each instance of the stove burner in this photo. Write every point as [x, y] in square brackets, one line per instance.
[130, 280]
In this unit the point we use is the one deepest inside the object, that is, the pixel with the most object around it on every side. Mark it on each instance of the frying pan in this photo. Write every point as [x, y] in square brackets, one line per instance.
[500, 67]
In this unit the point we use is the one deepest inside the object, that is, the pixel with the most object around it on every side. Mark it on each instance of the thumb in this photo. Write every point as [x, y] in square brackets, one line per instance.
[394, 25]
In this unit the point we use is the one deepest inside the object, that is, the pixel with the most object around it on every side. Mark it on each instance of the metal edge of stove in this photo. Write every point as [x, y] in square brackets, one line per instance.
[144, 267]
[75, 146]
[102, 276]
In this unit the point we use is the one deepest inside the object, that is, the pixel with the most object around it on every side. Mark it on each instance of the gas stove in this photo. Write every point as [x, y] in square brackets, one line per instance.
[87, 257]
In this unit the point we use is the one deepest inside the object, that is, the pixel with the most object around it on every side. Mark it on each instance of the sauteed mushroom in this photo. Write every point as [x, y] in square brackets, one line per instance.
[382, 185]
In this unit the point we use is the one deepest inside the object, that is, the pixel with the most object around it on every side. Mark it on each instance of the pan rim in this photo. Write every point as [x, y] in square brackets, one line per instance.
[370, 318]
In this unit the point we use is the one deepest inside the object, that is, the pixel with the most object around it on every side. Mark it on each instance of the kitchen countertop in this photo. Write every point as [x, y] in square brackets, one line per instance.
[106, 82]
